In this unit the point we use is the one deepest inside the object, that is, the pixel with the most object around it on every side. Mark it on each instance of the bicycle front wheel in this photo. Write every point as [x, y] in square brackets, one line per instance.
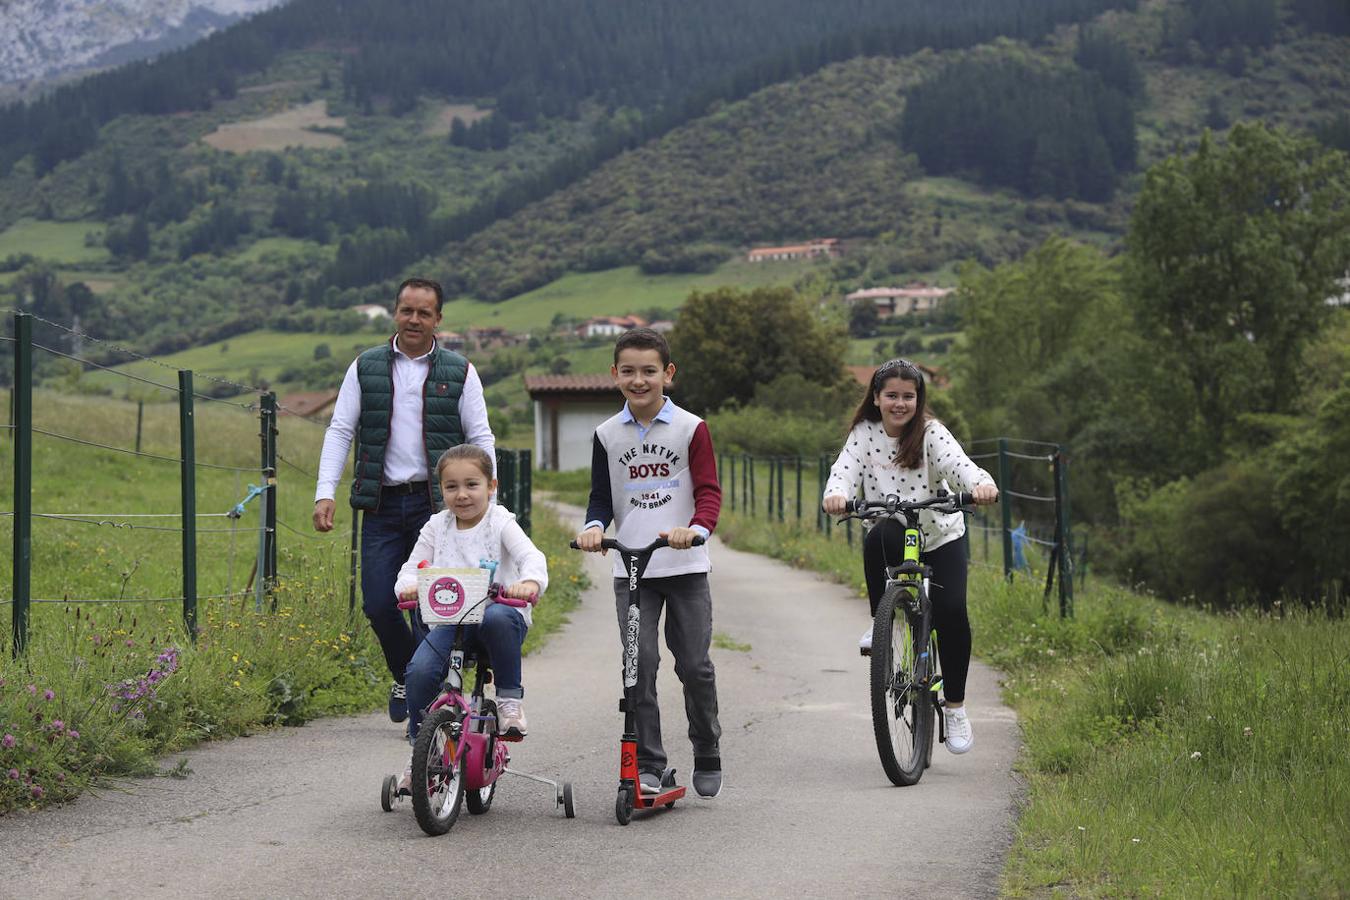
[902, 714]
[437, 773]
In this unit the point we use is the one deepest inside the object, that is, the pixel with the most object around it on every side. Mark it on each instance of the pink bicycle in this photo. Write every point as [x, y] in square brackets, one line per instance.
[458, 756]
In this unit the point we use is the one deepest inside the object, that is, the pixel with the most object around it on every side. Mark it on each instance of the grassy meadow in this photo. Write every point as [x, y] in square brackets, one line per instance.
[1167, 752]
[110, 681]
[57, 242]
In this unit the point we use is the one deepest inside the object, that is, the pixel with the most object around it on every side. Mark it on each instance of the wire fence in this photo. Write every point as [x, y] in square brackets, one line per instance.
[1029, 530]
[65, 422]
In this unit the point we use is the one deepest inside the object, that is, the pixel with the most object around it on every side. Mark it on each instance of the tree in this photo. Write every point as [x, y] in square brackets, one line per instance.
[728, 341]
[862, 319]
[1232, 253]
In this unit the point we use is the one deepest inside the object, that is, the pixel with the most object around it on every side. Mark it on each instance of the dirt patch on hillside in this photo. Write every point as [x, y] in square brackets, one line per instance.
[440, 122]
[290, 128]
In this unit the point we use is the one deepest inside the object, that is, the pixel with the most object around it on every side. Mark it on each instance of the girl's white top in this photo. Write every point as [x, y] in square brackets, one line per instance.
[496, 536]
[868, 459]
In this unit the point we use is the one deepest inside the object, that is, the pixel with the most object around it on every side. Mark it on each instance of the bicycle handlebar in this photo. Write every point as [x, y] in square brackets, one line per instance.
[613, 544]
[893, 504]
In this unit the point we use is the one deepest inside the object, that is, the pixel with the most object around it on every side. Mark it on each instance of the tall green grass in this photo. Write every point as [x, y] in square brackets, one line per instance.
[106, 687]
[1167, 752]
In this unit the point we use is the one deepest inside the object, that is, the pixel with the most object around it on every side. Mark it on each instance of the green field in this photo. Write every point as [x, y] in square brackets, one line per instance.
[611, 293]
[57, 242]
[246, 358]
[282, 247]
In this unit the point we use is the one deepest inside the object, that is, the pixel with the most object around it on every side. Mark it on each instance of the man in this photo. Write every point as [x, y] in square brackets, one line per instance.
[405, 402]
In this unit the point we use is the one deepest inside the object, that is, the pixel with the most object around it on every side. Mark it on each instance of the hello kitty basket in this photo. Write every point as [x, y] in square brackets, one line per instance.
[453, 596]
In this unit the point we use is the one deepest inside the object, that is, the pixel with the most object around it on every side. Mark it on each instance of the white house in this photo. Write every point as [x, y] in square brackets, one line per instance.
[609, 326]
[567, 408]
[897, 301]
[372, 311]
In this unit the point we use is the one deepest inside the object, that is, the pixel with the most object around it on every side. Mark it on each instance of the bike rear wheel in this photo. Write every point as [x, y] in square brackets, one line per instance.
[902, 713]
[437, 773]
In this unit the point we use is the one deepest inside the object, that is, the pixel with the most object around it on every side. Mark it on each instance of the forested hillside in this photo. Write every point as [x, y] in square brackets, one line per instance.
[293, 167]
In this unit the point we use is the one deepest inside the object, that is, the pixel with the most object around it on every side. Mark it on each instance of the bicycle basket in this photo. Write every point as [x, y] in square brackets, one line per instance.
[453, 596]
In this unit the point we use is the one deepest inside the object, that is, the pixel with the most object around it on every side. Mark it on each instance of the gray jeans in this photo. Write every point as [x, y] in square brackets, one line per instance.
[688, 605]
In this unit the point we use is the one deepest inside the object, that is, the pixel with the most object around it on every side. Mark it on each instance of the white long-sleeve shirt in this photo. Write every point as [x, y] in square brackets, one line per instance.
[405, 456]
[867, 459]
[497, 536]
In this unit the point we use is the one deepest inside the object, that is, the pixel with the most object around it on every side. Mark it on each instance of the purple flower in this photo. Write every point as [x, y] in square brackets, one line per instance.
[13, 774]
[32, 689]
[73, 734]
[58, 725]
[48, 694]
[37, 792]
[7, 742]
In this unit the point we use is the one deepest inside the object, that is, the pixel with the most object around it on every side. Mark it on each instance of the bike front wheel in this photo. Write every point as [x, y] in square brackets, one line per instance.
[438, 772]
[902, 713]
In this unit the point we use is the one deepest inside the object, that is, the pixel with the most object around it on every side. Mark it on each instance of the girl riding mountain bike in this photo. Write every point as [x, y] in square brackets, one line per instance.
[895, 447]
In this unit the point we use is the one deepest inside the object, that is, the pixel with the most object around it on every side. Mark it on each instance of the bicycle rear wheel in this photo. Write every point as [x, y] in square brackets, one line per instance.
[902, 713]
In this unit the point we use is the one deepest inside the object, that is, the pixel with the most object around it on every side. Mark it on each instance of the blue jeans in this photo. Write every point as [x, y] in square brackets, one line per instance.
[500, 634]
[387, 540]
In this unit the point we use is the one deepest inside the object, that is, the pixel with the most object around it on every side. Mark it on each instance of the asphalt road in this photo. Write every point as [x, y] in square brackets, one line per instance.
[806, 810]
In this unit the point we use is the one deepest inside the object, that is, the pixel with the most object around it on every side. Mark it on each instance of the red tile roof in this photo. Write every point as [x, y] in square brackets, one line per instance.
[600, 383]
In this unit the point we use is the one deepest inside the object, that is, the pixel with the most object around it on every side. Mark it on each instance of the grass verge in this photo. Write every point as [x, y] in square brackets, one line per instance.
[1167, 752]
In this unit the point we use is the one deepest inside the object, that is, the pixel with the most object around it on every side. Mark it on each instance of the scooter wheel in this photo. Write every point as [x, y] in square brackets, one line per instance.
[569, 808]
[388, 791]
[623, 806]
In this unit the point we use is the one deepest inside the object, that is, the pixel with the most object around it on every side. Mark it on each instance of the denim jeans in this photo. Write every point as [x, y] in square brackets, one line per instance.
[500, 634]
[387, 539]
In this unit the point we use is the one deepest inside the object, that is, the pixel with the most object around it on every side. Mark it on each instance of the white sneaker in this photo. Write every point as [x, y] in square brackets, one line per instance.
[865, 642]
[511, 718]
[960, 738]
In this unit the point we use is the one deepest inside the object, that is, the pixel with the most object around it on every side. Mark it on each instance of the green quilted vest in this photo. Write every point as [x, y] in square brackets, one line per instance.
[441, 428]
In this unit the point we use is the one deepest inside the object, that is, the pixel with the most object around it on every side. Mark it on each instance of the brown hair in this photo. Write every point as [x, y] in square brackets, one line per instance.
[909, 446]
[643, 339]
[472, 452]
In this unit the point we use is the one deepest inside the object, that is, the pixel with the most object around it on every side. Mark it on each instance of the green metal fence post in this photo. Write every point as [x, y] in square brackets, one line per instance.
[266, 577]
[526, 475]
[733, 482]
[188, 454]
[1065, 534]
[1004, 486]
[355, 555]
[798, 464]
[750, 465]
[140, 418]
[781, 462]
[21, 406]
[768, 501]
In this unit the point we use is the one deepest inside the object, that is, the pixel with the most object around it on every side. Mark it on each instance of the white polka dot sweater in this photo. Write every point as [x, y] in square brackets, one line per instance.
[868, 460]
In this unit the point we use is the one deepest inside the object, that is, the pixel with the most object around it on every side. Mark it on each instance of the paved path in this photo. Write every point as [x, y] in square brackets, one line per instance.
[806, 810]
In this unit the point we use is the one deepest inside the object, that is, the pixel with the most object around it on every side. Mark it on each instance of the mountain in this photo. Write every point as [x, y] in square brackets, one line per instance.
[43, 39]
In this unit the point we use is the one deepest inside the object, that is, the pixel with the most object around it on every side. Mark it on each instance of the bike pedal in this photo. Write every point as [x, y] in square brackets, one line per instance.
[864, 651]
[511, 737]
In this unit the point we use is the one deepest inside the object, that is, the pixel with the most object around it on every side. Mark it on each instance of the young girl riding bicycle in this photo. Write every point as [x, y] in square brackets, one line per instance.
[895, 446]
[472, 529]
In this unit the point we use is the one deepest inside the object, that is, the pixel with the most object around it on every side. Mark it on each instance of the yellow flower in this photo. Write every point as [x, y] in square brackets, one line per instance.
[235, 683]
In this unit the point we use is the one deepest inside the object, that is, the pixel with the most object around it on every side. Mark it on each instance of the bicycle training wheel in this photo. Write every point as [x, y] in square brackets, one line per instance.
[437, 773]
[902, 713]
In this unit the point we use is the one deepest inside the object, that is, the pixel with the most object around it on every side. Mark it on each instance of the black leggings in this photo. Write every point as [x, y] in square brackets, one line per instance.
[881, 548]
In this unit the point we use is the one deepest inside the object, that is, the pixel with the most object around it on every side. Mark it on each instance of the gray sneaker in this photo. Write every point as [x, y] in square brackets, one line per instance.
[707, 776]
[649, 783]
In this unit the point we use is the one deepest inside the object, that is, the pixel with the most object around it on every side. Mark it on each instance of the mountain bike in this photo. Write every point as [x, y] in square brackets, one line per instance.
[906, 676]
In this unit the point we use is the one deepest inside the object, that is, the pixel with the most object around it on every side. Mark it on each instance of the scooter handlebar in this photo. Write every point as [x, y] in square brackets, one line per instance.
[613, 544]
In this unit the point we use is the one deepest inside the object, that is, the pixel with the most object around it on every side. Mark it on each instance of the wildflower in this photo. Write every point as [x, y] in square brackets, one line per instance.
[1195, 755]
[73, 734]
[37, 792]
[1134, 840]
[32, 689]
[58, 726]
[13, 774]
[7, 742]
[1247, 732]
[1081, 828]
